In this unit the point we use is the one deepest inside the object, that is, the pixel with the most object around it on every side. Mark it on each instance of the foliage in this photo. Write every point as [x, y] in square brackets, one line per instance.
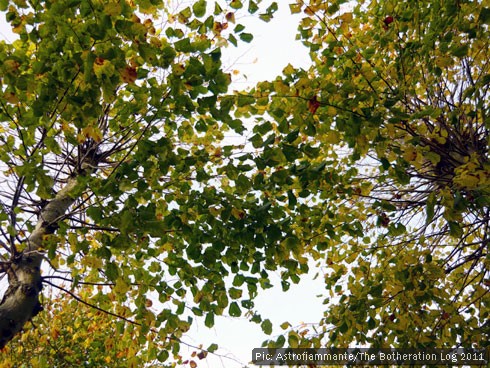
[113, 115]
[373, 162]
[69, 334]
[379, 152]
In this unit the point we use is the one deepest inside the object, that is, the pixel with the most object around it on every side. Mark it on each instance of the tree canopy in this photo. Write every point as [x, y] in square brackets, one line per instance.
[114, 170]
[118, 177]
[71, 334]
[381, 154]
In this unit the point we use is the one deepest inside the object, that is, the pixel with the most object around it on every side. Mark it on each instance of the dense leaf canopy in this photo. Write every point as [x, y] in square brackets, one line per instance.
[373, 162]
[380, 150]
[71, 334]
[114, 167]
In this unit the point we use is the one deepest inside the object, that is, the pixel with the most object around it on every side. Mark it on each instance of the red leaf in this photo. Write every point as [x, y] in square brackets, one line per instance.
[313, 105]
[99, 61]
[387, 21]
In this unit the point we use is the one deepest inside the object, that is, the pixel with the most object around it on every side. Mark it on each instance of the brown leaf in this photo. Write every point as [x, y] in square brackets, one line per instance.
[313, 105]
[129, 75]
[202, 354]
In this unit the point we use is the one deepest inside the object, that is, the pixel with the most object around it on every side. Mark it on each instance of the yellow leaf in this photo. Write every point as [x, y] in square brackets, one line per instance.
[178, 69]
[346, 17]
[467, 180]
[112, 8]
[410, 154]
[444, 62]
[238, 214]
[10, 97]
[288, 70]
[280, 87]
[103, 67]
[214, 211]
[91, 132]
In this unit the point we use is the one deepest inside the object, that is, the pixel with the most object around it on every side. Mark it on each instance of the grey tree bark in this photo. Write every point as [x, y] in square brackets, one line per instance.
[21, 300]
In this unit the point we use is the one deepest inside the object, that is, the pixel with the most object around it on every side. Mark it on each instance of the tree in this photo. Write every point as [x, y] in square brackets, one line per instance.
[380, 152]
[374, 162]
[71, 334]
[114, 171]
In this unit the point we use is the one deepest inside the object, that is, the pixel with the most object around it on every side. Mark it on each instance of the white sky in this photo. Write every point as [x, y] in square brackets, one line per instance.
[273, 47]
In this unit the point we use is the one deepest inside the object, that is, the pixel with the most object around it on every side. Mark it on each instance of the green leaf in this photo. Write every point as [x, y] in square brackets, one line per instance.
[431, 202]
[243, 184]
[293, 340]
[484, 16]
[209, 320]
[455, 229]
[279, 343]
[266, 326]
[233, 40]
[344, 327]
[217, 9]
[185, 14]
[234, 310]
[199, 8]
[371, 323]
[252, 7]
[239, 28]
[111, 271]
[235, 293]
[376, 291]
[236, 4]
[163, 356]
[460, 50]
[246, 37]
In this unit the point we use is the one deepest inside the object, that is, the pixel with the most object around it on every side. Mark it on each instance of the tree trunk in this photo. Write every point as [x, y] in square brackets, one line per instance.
[21, 300]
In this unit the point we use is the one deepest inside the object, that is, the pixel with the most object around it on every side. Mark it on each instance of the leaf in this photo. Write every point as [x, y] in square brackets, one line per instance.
[235, 293]
[234, 310]
[460, 51]
[230, 17]
[199, 8]
[252, 7]
[209, 320]
[237, 213]
[455, 229]
[431, 202]
[293, 340]
[295, 8]
[246, 37]
[111, 271]
[243, 184]
[236, 4]
[313, 105]
[266, 327]
[212, 348]
[484, 16]
[11, 98]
